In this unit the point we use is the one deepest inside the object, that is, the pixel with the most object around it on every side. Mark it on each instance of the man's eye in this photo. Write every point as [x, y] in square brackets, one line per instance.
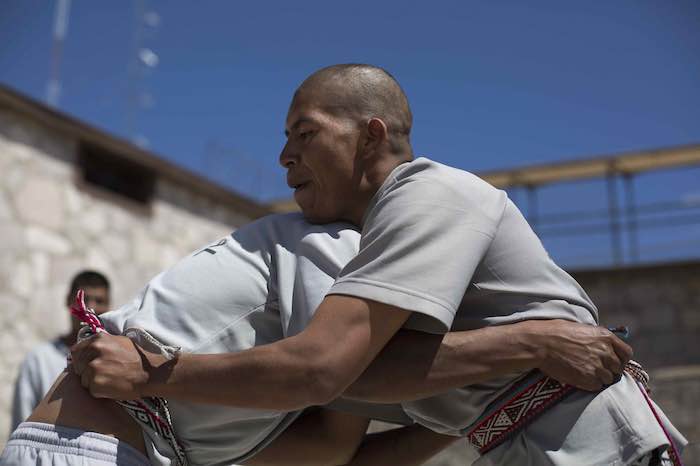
[305, 135]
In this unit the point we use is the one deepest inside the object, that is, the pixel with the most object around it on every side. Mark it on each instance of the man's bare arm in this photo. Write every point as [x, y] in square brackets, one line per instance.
[416, 365]
[311, 368]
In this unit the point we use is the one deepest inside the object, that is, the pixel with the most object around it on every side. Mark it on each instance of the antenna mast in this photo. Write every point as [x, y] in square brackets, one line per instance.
[60, 26]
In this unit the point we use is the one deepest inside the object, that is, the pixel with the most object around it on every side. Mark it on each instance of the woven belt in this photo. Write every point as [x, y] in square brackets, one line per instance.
[530, 399]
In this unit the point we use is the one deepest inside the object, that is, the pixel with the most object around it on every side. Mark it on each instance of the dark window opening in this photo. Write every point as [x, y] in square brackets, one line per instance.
[111, 172]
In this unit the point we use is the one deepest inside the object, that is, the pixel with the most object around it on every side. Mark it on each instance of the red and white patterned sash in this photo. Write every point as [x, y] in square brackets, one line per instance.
[534, 396]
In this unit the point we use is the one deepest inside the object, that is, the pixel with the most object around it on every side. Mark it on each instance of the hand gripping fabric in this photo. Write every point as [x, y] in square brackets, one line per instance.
[151, 412]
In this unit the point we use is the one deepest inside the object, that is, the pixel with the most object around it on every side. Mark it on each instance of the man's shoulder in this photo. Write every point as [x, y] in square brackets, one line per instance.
[427, 182]
[439, 175]
[291, 229]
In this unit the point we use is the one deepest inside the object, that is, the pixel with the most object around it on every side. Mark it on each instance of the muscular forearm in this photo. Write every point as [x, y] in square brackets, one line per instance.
[239, 379]
[407, 446]
[311, 368]
[415, 365]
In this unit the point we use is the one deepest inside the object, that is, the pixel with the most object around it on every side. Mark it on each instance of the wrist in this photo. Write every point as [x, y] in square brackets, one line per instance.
[154, 368]
[532, 338]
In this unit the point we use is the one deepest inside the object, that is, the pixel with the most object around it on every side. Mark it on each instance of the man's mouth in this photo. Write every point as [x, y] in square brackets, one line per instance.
[299, 186]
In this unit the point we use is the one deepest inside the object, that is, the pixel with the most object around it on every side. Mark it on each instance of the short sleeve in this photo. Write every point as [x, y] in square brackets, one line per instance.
[421, 243]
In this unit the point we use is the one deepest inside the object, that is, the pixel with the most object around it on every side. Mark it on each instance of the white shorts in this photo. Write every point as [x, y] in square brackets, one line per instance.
[36, 443]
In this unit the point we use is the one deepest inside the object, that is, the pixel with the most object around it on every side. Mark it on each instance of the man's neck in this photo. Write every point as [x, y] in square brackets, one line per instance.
[375, 177]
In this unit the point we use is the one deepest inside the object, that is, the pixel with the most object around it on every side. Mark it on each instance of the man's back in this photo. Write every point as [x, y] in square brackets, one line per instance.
[230, 296]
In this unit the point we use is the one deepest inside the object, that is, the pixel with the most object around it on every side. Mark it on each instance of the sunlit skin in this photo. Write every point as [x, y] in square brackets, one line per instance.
[331, 161]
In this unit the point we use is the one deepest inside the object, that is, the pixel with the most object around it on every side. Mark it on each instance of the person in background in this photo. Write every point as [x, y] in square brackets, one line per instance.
[42, 365]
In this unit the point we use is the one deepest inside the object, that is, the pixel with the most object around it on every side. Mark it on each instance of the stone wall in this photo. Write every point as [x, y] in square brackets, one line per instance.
[52, 225]
[661, 305]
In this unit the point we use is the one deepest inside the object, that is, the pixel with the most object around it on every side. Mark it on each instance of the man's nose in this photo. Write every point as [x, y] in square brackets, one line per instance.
[288, 156]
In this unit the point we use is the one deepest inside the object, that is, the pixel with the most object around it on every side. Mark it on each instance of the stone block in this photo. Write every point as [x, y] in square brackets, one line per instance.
[7, 160]
[49, 311]
[170, 256]
[42, 239]
[7, 264]
[6, 213]
[40, 268]
[121, 220]
[658, 315]
[14, 178]
[93, 221]
[12, 238]
[22, 131]
[96, 259]
[21, 281]
[48, 165]
[146, 250]
[73, 199]
[57, 147]
[62, 270]
[690, 318]
[116, 247]
[14, 151]
[40, 201]
[11, 308]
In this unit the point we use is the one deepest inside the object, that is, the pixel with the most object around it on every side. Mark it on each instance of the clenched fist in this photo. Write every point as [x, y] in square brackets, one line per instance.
[110, 366]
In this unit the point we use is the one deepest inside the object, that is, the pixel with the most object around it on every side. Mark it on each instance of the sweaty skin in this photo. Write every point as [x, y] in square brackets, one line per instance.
[69, 404]
[318, 438]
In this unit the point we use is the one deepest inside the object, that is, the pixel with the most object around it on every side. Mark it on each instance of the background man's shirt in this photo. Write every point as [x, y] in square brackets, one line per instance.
[36, 375]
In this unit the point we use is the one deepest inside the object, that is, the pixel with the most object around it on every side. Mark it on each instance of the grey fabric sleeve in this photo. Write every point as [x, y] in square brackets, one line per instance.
[418, 251]
[26, 395]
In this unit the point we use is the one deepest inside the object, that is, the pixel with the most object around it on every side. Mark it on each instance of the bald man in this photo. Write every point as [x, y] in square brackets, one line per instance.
[440, 249]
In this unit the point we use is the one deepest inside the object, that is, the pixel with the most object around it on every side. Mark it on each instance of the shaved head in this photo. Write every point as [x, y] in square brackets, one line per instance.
[360, 92]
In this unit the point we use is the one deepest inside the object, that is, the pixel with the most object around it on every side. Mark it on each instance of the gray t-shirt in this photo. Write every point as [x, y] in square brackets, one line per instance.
[230, 296]
[36, 375]
[441, 241]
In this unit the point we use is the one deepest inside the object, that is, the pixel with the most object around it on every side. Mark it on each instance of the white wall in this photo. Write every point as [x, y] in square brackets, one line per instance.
[52, 226]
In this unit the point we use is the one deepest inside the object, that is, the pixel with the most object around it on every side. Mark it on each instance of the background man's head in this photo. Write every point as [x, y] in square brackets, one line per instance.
[348, 126]
[96, 287]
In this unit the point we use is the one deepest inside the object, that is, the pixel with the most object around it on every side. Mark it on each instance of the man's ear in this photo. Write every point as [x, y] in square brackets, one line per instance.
[377, 134]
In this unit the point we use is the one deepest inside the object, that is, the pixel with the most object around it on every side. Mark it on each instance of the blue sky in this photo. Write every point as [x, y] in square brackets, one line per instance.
[492, 84]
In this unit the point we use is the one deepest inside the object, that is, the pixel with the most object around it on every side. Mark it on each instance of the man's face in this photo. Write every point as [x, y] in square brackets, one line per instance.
[97, 298]
[320, 160]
